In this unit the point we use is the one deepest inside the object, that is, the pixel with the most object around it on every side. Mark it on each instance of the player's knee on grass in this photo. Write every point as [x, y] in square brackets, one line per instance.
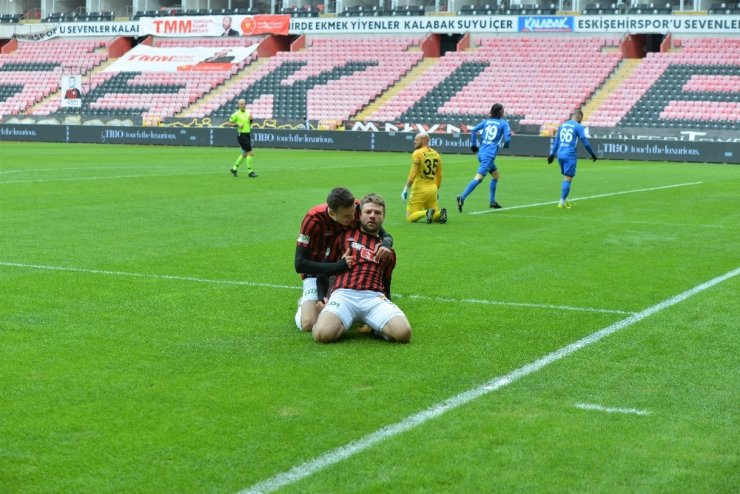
[416, 216]
[328, 328]
[309, 314]
[398, 329]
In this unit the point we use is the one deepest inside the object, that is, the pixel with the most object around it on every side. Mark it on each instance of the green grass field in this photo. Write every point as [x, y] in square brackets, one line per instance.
[147, 342]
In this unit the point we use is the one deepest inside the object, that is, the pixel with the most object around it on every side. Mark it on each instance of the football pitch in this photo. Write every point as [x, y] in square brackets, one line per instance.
[147, 342]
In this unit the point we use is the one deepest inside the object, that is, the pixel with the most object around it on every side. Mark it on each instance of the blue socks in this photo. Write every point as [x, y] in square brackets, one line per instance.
[565, 190]
[470, 188]
[492, 194]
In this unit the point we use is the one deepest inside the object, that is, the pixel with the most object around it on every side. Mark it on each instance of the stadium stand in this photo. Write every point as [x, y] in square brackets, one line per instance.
[147, 94]
[724, 9]
[334, 78]
[534, 69]
[362, 11]
[79, 16]
[697, 87]
[10, 18]
[174, 11]
[306, 11]
[408, 10]
[493, 9]
[37, 69]
[694, 85]
[152, 94]
[207, 42]
[603, 9]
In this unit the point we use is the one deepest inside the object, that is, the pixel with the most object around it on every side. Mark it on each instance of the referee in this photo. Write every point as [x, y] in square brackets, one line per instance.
[242, 120]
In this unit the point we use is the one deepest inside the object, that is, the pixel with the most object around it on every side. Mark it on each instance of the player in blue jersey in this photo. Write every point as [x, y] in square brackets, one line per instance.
[565, 145]
[495, 132]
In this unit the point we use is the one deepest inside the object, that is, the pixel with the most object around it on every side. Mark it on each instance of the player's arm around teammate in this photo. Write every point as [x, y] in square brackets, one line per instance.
[359, 294]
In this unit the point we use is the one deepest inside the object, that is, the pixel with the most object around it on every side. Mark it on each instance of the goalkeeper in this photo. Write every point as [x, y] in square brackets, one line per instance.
[421, 192]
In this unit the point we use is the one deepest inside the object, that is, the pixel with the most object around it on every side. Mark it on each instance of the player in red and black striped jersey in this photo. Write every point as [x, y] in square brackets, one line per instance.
[366, 272]
[319, 228]
[362, 293]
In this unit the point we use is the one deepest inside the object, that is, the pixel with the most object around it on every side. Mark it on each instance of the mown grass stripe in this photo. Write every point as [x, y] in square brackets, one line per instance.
[341, 453]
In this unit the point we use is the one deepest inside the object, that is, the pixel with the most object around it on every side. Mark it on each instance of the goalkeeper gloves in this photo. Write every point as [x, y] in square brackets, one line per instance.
[474, 148]
[593, 157]
[550, 159]
[405, 194]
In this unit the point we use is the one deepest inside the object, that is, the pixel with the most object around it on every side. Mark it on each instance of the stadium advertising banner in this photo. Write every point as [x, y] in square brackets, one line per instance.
[635, 24]
[143, 58]
[694, 152]
[71, 91]
[721, 24]
[404, 25]
[211, 25]
[78, 29]
[545, 24]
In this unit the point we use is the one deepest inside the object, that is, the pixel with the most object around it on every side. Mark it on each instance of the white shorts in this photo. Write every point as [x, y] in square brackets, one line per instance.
[310, 292]
[367, 306]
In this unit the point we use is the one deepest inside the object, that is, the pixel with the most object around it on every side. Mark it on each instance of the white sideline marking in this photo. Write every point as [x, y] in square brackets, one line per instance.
[112, 177]
[334, 456]
[515, 304]
[292, 287]
[599, 408]
[682, 225]
[144, 275]
[597, 196]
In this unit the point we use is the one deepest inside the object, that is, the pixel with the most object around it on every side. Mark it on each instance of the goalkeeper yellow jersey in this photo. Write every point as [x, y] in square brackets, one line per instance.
[426, 168]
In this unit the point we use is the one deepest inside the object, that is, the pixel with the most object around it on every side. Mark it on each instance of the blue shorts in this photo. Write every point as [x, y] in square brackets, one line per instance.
[567, 167]
[487, 165]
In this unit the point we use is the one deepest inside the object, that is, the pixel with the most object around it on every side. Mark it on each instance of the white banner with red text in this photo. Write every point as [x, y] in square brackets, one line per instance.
[144, 58]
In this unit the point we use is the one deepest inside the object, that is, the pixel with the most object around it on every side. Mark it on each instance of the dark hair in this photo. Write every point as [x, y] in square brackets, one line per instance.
[340, 197]
[373, 198]
[497, 110]
[577, 113]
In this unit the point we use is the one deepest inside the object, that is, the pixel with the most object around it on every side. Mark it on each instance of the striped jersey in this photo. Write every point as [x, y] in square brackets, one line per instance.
[318, 231]
[367, 272]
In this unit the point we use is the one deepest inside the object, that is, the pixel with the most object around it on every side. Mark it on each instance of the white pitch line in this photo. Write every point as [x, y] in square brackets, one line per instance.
[516, 304]
[144, 275]
[597, 196]
[334, 456]
[288, 287]
[77, 168]
[599, 408]
[112, 177]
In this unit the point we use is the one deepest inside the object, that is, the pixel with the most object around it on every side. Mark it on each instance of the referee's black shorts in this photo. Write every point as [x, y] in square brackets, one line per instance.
[245, 141]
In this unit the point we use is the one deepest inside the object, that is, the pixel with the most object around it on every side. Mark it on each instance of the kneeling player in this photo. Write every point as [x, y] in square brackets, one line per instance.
[424, 181]
[362, 294]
